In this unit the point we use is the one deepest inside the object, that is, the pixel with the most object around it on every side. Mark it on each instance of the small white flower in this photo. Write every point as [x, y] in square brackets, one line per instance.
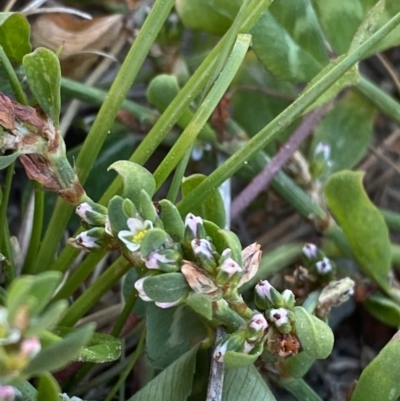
[310, 251]
[324, 266]
[263, 289]
[82, 209]
[191, 221]
[230, 267]
[258, 322]
[140, 290]
[287, 295]
[202, 246]
[279, 316]
[86, 240]
[153, 260]
[166, 305]
[137, 231]
[324, 149]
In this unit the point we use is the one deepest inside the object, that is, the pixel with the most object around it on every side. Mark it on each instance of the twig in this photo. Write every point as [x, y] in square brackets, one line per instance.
[261, 181]
[216, 378]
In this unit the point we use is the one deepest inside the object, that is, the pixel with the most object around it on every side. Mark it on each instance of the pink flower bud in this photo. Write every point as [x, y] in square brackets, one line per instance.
[202, 246]
[230, 267]
[263, 289]
[30, 347]
[191, 222]
[7, 393]
[140, 290]
[310, 251]
[279, 316]
[258, 322]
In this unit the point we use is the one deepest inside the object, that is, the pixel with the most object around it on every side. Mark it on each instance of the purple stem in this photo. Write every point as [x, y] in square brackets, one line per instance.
[262, 180]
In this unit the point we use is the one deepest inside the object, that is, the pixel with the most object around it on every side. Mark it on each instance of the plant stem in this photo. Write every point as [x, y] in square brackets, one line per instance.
[275, 127]
[5, 243]
[36, 230]
[123, 316]
[102, 125]
[128, 368]
[182, 100]
[299, 388]
[88, 299]
[379, 98]
[12, 78]
[204, 111]
[79, 275]
[216, 378]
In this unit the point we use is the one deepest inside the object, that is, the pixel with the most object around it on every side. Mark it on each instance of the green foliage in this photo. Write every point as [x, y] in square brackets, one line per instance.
[362, 224]
[212, 208]
[380, 379]
[14, 35]
[169, 287]
[383, 308]
[315, 336]
[43, 73]
[48, 388]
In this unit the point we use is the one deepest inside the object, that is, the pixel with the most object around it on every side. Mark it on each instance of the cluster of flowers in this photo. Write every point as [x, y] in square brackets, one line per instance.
[17, 349]
[317, 263]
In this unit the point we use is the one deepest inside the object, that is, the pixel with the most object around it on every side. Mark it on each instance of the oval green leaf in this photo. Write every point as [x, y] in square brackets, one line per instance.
[212, 208]
[167, 287]
[362, 224]
[383, 309]
[315, 336]
[14, 35]
[380, 379]
[172, 220]
[43, 73]
[135, 178]
[48, 388]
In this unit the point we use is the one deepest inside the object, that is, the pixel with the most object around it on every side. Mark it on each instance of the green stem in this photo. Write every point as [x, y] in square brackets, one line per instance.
[79, 275]
[36, 233]
[97, 96]
[102, 125]
[5, 242]
[182, 101]
[12, 78]
[299, 388]
[379, 98]
[205, 110]
[128, 368]
[178, 176]
[123, 317]
[89, 298]
[275, 127]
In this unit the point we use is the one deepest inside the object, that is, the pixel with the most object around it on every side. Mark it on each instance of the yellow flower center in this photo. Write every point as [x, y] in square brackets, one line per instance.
[137, 238]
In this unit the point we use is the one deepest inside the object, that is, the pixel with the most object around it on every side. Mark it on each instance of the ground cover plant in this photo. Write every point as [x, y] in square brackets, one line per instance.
[198, 200]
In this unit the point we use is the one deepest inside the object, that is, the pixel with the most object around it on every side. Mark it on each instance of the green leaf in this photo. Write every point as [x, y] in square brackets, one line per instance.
[380, 379]
[174, 383]
[213, 206]
[5, 161]
[289, 42]
[315, 336]
[43, 288]
[147, 209]
[348, 16]
[152, 241]
[201, 304]
[14, 35]
[383, 309]
[245, 384]
[48, 388]
[180, 326]
[166, 287]
[135, 179]
[59, 354]
[362, 224]
[234, 360]
[298, 365]
[43, 72]
[347, 129]
[118, 219]
[233, 243]
[18, 294]
[172, 220]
